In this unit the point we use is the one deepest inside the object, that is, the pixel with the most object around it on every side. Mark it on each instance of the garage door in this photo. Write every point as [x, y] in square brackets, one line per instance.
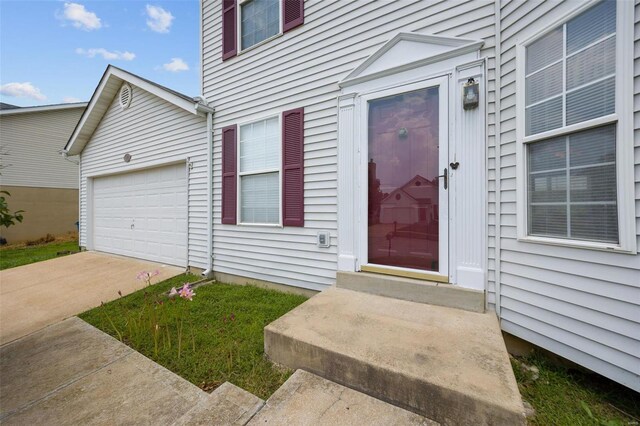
[142, 214]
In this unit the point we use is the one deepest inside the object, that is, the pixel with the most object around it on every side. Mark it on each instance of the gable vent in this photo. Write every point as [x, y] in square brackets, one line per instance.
[125, 96]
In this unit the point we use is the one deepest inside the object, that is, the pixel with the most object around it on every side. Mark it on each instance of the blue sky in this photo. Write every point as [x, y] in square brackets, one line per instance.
[56, 51]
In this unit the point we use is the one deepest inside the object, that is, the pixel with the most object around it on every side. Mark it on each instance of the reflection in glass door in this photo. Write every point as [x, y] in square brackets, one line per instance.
[404, 181]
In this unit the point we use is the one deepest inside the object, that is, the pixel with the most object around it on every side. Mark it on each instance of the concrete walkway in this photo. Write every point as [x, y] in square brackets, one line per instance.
[71, 373]
[36, 295]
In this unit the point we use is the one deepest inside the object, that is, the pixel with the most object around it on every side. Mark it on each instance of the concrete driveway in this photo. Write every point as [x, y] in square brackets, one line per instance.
[36, 295]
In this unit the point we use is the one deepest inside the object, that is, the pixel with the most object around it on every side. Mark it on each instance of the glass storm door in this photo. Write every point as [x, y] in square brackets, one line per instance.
[407, 182]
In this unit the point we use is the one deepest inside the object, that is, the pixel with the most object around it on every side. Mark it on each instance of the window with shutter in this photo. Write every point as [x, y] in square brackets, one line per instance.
[293, 167]
[571, 128]
[229, 201]
[259, 20]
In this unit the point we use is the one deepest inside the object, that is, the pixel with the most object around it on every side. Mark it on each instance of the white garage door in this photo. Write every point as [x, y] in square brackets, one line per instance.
[142, 214]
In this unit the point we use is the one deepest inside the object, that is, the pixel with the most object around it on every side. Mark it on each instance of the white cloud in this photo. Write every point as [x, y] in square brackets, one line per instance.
[106, 54]
[70, 100]
[176, 65]
[22, 90]
[80, 17]
[159, 20]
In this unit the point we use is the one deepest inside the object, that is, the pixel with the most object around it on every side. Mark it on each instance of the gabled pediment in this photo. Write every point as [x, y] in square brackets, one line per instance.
[410, 50]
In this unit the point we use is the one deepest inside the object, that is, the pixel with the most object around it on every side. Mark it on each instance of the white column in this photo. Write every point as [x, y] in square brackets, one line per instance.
[469, 188]
[347, 185]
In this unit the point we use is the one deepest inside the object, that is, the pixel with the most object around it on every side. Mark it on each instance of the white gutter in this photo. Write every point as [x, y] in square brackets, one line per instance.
[202, 105]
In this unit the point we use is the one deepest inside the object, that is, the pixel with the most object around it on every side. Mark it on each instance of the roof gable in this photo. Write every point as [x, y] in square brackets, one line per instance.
[109, 85]
[409, 50]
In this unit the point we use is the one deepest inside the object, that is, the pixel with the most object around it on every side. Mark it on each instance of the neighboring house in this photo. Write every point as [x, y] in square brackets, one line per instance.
[144, 164]
[41, 182]
[506, 128]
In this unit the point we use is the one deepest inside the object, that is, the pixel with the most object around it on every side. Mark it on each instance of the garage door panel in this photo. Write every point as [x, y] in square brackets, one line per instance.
[154, 201]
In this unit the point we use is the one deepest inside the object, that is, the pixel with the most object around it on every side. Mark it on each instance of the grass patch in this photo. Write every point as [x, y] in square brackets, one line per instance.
[565, 396]
[227, 323]
[10, 257]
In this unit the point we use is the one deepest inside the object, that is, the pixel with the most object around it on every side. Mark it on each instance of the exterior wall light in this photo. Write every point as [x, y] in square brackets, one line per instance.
[470, 94]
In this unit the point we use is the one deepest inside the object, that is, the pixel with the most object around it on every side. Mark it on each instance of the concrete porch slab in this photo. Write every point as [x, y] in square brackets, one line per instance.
[307, 399]
[447, 364]
[36, 295]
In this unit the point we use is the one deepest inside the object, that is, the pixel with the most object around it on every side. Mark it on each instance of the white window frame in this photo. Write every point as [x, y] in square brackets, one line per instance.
[240, 174]
[623, 118]
[240, 50]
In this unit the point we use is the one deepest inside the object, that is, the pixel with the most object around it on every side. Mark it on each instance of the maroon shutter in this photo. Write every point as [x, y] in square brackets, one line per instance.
[229, 34]
[229, 175]
[292, 14]
[293, 167]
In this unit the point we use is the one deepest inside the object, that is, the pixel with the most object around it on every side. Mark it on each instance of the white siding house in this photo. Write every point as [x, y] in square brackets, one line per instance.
[144, 165]
[388, 92]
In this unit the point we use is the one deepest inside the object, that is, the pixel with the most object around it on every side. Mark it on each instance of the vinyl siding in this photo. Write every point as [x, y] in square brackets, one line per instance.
[581, 304]
[154, 132]
[31, 142]
[302, 68]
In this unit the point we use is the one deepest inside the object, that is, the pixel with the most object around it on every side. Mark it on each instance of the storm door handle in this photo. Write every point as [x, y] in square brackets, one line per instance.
[445, 175]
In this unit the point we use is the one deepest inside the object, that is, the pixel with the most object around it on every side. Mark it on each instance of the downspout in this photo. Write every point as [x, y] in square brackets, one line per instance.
[498, 130]
[202, 105]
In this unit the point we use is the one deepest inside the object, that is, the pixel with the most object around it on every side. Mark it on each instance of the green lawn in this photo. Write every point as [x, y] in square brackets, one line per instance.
[563, 396]
[12, 257]
[224, 323]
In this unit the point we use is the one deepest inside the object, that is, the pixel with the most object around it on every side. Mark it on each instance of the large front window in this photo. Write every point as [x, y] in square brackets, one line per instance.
[259, 166]
[259, 20]
[570, 128]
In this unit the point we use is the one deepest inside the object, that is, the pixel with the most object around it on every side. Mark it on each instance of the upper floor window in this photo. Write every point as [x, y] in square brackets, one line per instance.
[572, 137]
[259, 20]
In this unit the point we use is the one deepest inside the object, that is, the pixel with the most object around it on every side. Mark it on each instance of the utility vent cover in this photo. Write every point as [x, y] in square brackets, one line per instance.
[125, 96]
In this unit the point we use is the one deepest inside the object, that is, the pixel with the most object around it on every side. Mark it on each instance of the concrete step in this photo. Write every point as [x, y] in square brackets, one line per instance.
[307, 399]
[446, 364]
[413, 290]
[227, 405]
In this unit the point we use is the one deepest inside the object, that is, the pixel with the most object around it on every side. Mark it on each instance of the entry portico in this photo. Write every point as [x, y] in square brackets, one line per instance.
[412, 162]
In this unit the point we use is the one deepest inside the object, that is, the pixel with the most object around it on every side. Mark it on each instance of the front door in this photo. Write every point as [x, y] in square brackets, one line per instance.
[407, 201]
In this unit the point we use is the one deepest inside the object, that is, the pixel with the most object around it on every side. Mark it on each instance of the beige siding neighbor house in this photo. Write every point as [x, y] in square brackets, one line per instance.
[41, 182]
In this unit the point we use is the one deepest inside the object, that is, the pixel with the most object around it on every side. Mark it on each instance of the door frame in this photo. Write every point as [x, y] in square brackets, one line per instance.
[445, 123]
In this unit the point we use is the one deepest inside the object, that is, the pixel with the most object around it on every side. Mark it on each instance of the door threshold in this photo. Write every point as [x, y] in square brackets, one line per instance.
[405, 273]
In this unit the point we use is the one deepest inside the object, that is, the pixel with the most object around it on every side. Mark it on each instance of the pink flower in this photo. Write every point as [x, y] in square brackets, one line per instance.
[173, 292]
[185, 292]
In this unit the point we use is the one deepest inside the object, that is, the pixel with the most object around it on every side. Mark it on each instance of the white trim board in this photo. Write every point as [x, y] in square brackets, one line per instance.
[438, 48]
